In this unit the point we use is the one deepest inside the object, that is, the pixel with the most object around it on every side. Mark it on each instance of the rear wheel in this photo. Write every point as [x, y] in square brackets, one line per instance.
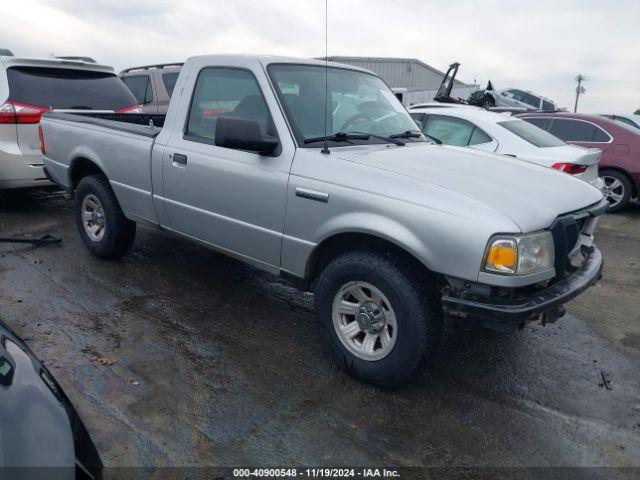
[104, 229]
[378, 315]
[618, 189]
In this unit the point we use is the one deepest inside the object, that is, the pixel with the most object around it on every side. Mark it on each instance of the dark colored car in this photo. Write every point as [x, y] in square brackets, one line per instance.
[41, 435]
[152, 85]
[620, 145]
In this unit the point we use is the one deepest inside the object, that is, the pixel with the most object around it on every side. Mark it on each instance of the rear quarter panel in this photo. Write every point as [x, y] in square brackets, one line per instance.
[124, 158]
[624, 153]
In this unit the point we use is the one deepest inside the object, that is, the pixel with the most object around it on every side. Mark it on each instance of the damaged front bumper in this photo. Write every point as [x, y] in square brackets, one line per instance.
[545, 305]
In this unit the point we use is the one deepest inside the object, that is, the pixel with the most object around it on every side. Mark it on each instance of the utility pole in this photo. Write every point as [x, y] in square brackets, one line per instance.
[579, 89]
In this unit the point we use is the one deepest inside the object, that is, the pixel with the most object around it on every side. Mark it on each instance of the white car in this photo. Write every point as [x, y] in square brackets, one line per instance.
[30, 87]
[501, 133]
[632, 120]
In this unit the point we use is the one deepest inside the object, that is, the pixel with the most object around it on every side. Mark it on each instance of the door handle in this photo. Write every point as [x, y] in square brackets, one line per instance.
[179, 158]
[312, 195]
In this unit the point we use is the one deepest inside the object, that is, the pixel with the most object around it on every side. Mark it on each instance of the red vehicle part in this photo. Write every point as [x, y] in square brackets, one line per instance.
[620, 146]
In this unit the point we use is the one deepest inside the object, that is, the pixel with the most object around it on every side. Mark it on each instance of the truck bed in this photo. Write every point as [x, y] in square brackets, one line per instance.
[119, 145]
[147, 124]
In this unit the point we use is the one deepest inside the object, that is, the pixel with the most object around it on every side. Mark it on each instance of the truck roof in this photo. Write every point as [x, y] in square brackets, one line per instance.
[54, 63]
[270, 59]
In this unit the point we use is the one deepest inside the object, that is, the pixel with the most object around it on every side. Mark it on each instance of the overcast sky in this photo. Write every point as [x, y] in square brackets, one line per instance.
[539, 45]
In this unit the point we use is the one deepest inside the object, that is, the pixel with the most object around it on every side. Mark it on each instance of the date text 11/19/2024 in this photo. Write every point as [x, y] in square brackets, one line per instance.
[316, 473]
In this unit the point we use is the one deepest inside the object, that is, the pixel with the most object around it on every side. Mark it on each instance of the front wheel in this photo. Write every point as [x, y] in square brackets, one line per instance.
[378, 315]
[104, 229]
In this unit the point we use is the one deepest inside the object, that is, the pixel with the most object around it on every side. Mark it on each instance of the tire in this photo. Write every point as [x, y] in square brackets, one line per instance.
[94, 194]
[408, 299]
[621, 189]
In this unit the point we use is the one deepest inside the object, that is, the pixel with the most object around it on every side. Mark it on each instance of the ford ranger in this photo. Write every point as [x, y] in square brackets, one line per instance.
[317, 173]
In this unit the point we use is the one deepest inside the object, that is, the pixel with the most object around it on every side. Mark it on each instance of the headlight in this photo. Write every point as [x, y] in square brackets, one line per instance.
[520, 254]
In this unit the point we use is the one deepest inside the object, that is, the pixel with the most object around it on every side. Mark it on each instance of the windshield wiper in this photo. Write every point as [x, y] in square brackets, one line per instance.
[338, 137]
[346, 136]
[389, 139]
[407, 134]
[416, 134]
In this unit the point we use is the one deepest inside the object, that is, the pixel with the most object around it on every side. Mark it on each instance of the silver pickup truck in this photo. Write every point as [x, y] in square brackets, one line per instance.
[317, 173]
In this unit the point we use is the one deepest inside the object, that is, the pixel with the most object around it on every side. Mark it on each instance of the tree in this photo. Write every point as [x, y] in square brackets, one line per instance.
[637, 112]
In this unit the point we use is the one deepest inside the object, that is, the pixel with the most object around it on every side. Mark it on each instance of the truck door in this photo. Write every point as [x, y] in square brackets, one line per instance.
[230, 199]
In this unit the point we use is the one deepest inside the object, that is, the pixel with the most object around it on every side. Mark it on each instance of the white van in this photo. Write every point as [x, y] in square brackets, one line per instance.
[30, 87]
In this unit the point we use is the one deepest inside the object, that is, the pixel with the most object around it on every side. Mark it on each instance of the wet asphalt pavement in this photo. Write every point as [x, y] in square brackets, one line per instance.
[176, 355]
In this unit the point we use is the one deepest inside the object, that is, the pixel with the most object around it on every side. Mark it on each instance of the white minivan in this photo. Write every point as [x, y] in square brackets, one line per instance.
[30, 87]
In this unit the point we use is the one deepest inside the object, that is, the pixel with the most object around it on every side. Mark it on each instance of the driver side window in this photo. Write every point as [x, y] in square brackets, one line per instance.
[225, 92]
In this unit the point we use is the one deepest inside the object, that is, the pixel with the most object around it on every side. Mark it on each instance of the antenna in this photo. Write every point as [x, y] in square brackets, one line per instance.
[325, 150]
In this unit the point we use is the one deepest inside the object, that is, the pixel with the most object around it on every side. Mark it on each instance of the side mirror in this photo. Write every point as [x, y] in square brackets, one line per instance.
[244, 134]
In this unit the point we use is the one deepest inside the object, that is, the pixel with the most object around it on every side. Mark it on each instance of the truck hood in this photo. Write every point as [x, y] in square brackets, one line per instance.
[532, 196]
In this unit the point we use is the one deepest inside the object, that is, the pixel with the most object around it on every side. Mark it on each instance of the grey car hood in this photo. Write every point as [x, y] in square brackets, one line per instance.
[530, 195]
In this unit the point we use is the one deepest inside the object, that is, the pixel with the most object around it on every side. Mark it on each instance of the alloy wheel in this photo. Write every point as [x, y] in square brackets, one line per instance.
[93, 218]
[614, 190]
[364, 320]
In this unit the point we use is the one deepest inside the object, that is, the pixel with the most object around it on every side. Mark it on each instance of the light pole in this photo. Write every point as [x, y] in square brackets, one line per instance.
[579, 89]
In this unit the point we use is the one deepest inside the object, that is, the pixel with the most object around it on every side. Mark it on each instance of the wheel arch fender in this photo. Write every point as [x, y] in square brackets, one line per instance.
[360, 230]
[84, 161]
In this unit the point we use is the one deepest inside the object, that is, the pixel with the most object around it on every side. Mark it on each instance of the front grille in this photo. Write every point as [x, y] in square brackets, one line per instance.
[566, 231]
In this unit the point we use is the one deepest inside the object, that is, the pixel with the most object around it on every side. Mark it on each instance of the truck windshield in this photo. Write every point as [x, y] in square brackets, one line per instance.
[63, 88]
[532, 134]
[358, 103]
